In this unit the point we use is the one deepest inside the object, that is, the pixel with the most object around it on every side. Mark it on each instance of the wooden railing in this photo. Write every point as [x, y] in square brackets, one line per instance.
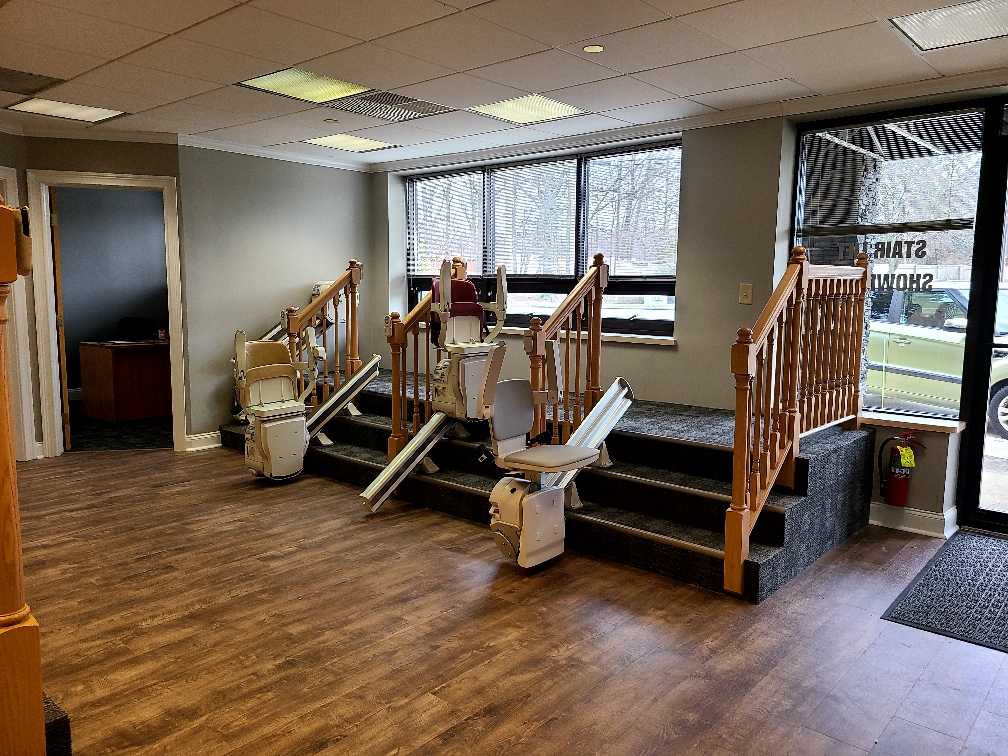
[398, 333]
[321, 315]
[580, 312]
[797, 369]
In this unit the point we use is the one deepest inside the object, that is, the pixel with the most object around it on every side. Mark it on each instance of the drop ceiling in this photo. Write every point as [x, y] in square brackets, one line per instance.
[173, 67]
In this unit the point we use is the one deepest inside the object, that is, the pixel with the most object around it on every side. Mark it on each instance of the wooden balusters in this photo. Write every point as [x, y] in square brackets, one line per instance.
[582, 307]
[399, 333]
[798, 369]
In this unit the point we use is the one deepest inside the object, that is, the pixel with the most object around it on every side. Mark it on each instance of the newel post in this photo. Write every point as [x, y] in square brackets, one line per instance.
[795, 316]
[535, 348]
[738, 518]
[858, 326]
[22, 720]
[593, 389]
[353, 361]
[395, 334]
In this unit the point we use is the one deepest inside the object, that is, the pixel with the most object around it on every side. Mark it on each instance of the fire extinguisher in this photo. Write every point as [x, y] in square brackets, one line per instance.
[896, 484]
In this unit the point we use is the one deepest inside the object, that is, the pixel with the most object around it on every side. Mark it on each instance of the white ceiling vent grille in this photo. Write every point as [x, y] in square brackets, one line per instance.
[391, 107]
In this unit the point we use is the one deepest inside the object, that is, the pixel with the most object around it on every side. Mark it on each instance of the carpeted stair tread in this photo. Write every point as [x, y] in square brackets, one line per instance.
[684, 422]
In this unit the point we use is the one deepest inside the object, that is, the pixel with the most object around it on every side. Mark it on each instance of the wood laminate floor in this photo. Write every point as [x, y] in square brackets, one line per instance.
[188, 608]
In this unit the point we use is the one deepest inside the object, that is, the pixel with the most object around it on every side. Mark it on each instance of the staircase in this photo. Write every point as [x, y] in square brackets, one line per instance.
[660, 506]
[739, 501]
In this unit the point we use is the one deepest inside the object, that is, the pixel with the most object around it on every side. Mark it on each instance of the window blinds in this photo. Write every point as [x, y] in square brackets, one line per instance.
[445, 216]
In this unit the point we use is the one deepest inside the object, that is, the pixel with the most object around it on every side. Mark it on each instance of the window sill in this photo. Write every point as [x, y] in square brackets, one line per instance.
[616, 338]
[906, 422]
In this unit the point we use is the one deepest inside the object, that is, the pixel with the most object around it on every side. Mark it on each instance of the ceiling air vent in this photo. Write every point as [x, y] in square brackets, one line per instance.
[391, 107]
[20, 82]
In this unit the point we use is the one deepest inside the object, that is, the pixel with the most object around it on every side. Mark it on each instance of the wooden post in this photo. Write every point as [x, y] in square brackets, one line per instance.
[593, 391]
[857, 324]
[353, 361]
[396, 337]
[738, 517]
[22, 719]
[535, 348]
[795, 316]
[459, 268]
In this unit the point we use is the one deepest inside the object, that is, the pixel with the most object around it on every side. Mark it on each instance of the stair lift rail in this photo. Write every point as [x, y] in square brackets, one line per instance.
[342, 397]
[577, 319]
[796, 370]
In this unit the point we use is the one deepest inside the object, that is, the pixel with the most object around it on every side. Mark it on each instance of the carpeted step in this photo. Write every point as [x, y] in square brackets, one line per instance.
[57, 729]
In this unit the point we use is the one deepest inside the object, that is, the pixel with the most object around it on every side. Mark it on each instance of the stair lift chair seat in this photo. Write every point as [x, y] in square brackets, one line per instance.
[276, 437]
[527, 520]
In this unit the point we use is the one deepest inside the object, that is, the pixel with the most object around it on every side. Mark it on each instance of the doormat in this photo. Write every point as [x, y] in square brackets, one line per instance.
[962, 592]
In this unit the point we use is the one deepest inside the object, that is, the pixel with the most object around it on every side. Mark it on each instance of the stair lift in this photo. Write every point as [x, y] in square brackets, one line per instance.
[527, 513]
[457, 315]
[279, 430]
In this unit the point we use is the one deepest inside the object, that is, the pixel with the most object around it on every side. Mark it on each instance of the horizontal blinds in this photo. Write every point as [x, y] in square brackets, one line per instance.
[446, 221]
[891, 174]
[533, 210]
[633, 211]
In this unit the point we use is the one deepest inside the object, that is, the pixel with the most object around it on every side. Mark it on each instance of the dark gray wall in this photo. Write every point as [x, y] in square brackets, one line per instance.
[112, 257]
[258, 233]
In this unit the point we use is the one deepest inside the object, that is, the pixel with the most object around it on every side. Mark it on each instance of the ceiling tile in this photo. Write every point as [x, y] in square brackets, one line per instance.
[750, 23]
[459, 123]
[867, 56]
[461, 41]
[9, 98]
[178, 118]
[620, 92]
[377, 67]
[32, 119]
[976, 56]
[666, 110]
[651, 46]
[682, 7]
[181, 56]
[552, 69]
[582, 124]
[323, 153]
[266, 35]
[460, 91]
[80, 93]
[159, 16]
[398, 133]
[886, 9]
[753, 94]
[295, 127]
[339, 120]
[560, 22]
[709, 74]
[356, 18]
[506, 137]
[49, 61]
[249, 102]
[67, 30]
[145, 81]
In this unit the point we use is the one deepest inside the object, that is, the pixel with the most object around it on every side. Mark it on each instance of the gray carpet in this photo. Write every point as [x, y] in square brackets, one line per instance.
[961, 593]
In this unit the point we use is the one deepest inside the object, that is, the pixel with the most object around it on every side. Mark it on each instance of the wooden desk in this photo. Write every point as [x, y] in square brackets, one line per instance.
[125, 380]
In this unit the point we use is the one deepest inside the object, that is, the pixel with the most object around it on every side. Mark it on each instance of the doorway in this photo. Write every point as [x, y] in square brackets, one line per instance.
[108, 311]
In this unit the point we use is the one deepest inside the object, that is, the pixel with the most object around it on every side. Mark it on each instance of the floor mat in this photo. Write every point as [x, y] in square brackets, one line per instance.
[961, 593]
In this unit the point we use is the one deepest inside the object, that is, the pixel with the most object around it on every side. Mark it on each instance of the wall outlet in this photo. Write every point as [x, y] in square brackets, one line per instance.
[745, 294]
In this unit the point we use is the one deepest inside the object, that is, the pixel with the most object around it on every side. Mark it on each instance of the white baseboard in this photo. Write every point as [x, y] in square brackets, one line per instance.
[913, 520]
[201, 441]
[39, 450]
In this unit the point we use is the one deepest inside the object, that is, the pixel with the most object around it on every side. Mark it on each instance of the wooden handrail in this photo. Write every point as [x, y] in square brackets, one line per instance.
[297, 321]
[397, 332]
[797, 369]
[584, 303]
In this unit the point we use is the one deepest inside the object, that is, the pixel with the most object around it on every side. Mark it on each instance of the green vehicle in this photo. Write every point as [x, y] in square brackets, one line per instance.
[915, 353]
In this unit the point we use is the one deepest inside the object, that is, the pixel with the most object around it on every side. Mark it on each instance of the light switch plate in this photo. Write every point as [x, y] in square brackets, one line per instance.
[745, 294]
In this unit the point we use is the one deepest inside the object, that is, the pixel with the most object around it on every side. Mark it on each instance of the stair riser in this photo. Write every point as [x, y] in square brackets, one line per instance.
[639, 495]
[669, 454]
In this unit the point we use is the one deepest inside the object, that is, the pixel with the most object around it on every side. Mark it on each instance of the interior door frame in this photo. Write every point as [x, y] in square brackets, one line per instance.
[19, 347]
[988, 241]
[47, 341]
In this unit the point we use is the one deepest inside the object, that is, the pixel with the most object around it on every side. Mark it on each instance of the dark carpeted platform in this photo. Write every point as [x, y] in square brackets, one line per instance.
[961, 593]
[90, 434]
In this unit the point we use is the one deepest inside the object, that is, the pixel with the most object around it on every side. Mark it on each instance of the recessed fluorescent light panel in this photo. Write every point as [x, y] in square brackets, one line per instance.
[956, 24]
[349, 142]
[65, 110]
[304, 85]
[533, 108]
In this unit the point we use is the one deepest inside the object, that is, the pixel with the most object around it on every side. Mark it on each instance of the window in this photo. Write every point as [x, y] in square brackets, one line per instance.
[905, 192]
[545, 221]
